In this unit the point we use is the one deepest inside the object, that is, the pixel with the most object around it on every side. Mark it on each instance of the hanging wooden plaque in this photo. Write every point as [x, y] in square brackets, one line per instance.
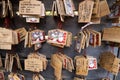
[6, 36]
[111, 34]
[85, 11]
[34, 65]
[21, 33]
[81, 65]
[92, 63]
[31, 7]
[104, 8]
[96, 6]
[109, 62]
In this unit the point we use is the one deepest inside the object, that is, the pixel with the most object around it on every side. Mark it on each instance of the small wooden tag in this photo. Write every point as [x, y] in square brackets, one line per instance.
[81, 69]
[85, 11]
[32, 7]
[104, 8]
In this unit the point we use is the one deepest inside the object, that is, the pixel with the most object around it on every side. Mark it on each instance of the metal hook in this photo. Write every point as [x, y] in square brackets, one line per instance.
[86, 25]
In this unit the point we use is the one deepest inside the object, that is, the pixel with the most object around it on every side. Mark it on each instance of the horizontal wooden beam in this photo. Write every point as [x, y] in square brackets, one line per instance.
[49, 13]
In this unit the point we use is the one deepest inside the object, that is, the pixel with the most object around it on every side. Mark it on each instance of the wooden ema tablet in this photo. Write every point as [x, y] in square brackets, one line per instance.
[31, 7]
[21, 32]
[59, 38]
[96, 6]
[8, 38]
[85, 11]
[69, 39]
[104, 8]
[98, 37]
[79, 41]
[5, 36]
[60, 6]
[68, 4]
[92, 63]
[57, 65]
[37, 36]
[59, 61]
[109, 62]
[34, 65]
[81, 65]
[92, 39]
[54, 9]
[111, 34]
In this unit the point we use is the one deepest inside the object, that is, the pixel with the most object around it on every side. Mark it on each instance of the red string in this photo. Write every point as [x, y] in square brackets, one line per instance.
[60, 50]
[6, 23]
[59, 25]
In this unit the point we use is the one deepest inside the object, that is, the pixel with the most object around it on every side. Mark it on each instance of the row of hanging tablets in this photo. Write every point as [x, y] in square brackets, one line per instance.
[56, 37]
[37, 62]
[32, 10]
